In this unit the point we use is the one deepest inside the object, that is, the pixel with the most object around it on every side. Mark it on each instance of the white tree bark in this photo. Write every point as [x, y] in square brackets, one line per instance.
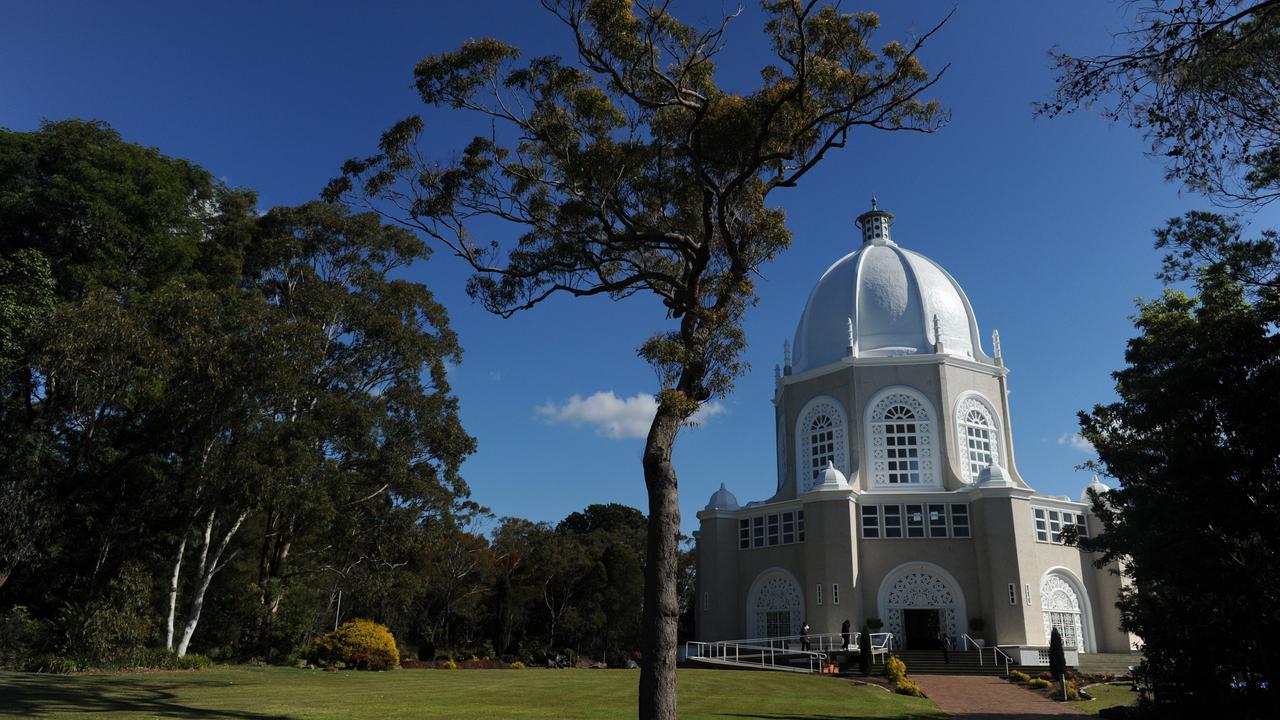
[173, 591]
[209, 566]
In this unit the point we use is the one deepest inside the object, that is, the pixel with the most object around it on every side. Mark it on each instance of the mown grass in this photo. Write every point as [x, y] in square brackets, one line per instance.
[252, 693]
[1105, 696]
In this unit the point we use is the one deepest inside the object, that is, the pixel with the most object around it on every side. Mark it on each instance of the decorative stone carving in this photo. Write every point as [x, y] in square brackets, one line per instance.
[924, 590]
[778, 593]
[1061, 606]
[896, 407]
[812, 420]
[972, 410]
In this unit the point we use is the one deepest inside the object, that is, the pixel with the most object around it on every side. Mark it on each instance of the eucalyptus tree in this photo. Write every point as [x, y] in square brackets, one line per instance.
[631, 170]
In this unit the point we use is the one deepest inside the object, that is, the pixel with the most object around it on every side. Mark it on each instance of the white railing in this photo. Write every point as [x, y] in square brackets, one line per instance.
[970, 641]
[781, 652]
[996, 655]
[763, 656]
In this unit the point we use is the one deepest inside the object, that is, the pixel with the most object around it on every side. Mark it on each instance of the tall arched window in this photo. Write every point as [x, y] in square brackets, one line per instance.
[978, 436]
[900, 429]
[820, 439]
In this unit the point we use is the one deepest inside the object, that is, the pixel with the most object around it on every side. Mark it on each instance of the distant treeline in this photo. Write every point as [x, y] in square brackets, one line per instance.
[224, 431]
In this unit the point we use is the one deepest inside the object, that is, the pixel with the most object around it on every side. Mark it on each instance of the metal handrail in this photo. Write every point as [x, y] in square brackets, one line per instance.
[970, 641]
[995, 650]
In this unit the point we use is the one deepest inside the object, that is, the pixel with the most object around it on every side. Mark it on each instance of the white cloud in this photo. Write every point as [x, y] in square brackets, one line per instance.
[613, 416]
[1074, 440]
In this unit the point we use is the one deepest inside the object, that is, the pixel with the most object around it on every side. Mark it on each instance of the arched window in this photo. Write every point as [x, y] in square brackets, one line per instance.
[1063, 610]
[820, 439]
[900, 428]
[977, 435]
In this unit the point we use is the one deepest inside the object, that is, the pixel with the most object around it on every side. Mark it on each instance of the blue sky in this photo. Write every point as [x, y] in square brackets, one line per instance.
[1045, 223]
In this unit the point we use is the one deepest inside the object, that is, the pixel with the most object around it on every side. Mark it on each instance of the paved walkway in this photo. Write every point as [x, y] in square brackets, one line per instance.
[989, 698]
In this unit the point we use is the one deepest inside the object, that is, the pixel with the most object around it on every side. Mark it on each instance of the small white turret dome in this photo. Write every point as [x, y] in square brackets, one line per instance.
[831, 479]
[994, 476]
[883, 301]
[722, 499]
[1096, 485]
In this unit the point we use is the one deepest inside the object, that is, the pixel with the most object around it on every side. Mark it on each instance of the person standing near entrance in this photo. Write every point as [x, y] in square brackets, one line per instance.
[844, 633]
[804, 637]
[944, 644]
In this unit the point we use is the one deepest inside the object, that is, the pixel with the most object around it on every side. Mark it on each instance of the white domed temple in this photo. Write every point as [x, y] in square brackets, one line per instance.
[897, 494]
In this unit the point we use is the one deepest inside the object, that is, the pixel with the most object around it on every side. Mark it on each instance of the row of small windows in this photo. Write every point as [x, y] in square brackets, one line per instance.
[835, 594]
[916, 520]
[1050, 523]
[768, 530]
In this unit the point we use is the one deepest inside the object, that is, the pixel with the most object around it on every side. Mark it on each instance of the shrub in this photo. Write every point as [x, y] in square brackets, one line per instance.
[450, 665]
[1039, 684]
[55, 664]
[361, 644]
[895, 669]
[22, 638]
[1072, 692]
[1057, 657]
[875, 624]
[1018, 676]
[907, 687]
[517, 665]
[864, 650]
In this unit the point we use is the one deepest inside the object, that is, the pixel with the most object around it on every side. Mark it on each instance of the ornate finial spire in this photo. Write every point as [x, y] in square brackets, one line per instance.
[786, 354]
[995, 343]
[875, 225]
[852, 348]
[937, 334]
[777, 372]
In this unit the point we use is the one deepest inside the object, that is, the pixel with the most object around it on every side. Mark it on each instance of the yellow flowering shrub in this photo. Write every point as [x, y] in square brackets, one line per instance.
[360, 644]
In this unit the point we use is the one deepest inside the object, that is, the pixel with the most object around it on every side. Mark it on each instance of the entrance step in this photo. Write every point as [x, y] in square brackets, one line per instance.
[930, 662]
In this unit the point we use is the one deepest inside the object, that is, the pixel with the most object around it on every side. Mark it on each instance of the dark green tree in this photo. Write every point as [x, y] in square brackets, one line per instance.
[632, 171]
[1057, 656]
[1190, 441]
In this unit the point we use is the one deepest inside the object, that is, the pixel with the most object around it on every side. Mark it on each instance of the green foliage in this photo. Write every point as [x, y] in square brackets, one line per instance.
[1057, 656]
[907, 687]
[360, 644]
[110, 630]
[895, 669]
[1199, 486]
[22, 638]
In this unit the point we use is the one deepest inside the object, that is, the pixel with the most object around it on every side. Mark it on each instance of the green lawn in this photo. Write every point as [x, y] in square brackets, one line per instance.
[1105, 696]
[278, 693]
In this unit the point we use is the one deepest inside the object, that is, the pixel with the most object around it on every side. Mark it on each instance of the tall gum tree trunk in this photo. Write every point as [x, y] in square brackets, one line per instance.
[209, 566]
[173, 590]
[661, 609]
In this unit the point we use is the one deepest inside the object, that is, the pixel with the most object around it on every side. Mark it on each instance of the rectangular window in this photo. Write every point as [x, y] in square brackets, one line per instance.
[915, 521]
[835, 594]
[788, 528]
[706, 601]
[1082, 528]
[757, 531]
[773, 530]
[960, 521]
[800, 525]
[893, 521]
[937, 521]
[1013, 593]
[1041, 529]
[777, 623]
[744, 533]
[817, 597]
[870, 521]
[1055, 527]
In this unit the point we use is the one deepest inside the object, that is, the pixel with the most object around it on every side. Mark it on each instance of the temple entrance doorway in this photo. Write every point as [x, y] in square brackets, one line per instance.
[921, 628]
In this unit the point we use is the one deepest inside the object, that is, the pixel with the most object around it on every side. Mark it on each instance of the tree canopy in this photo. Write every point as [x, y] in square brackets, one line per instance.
[631, 170]
[1202, 79]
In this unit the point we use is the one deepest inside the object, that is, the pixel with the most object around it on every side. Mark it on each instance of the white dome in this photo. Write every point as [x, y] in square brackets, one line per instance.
[722, 499]
[830, 479]
[1096, 485]
[889, 301]
[995, 476]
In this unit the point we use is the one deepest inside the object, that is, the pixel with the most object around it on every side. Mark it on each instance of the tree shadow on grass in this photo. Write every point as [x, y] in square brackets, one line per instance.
[34, 695]
[924, 716]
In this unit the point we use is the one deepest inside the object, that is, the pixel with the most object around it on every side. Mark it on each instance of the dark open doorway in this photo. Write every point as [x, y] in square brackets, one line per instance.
[921, 629]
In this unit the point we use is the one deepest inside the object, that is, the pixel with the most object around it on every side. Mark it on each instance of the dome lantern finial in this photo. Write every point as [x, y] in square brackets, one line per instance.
[875, 225]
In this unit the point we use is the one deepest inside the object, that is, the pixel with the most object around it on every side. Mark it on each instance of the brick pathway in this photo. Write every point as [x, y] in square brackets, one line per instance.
[988, 698]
